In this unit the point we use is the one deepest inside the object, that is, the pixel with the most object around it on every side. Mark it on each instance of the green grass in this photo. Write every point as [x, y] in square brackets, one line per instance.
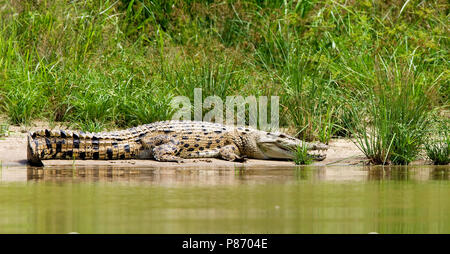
[113, 64]
[439, 152]
[301, 155]
[4, 130]
[437, 146]
[394, 125]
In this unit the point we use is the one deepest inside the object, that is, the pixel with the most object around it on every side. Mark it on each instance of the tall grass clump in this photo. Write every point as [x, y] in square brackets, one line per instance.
[437, 146]
[4, 129]
[394, 126]
[301, 156]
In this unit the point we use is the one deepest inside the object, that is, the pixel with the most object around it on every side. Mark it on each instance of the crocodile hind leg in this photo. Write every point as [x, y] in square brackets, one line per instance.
[167, 152]
[161, 148]
[231, 153]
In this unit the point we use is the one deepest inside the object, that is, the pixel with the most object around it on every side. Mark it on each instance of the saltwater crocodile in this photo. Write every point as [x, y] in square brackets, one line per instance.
[165, 141]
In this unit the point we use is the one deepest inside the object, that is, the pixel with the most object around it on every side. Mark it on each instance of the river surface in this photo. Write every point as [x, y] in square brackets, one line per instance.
[414, 199]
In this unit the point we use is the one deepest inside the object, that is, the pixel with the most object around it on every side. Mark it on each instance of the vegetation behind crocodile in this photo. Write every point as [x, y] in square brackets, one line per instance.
[164, 141]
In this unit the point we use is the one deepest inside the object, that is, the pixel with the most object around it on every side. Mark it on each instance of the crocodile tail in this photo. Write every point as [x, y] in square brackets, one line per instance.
[50, 144]
[32, 155]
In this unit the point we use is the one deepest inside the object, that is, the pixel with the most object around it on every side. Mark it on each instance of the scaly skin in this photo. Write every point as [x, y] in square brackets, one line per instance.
[165, 141]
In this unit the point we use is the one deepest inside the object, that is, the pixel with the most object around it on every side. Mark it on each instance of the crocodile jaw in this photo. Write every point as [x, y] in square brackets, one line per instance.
[282, 146]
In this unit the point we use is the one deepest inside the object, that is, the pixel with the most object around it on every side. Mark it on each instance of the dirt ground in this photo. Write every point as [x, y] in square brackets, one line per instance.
[341, 152]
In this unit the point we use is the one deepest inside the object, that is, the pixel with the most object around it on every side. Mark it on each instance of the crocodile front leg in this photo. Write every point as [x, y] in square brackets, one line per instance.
[231, 153]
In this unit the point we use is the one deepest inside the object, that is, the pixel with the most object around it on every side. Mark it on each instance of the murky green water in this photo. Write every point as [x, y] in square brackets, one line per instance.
[270, 200]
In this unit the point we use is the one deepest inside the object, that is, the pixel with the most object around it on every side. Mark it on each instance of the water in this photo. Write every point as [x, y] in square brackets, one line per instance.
[240, 200]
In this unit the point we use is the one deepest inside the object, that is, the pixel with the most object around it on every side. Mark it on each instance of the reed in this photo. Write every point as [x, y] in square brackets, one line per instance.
[4, 130]
[437, 146]
[301, 156]
[394, 125]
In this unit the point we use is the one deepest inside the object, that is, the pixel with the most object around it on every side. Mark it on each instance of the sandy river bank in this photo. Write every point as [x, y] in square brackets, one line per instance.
[13, 153]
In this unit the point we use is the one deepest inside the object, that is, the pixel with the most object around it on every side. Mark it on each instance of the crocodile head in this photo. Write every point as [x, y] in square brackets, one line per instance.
[275, 145]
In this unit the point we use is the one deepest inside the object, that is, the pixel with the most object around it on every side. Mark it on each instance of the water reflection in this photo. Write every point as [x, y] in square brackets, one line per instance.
[406, 173]
[237, 175]
[97, 199]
